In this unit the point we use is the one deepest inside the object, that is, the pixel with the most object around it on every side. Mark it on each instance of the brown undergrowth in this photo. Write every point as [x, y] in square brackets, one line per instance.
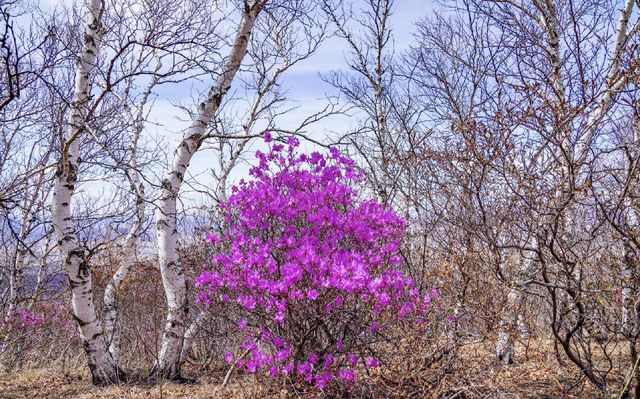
[471, 374]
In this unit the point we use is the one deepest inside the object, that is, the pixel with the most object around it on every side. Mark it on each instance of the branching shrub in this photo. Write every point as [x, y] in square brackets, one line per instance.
[27, 332]
[310, 270]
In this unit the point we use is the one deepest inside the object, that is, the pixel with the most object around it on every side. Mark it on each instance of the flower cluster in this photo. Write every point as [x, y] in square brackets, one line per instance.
[27, 325]
[45, 314]
[24, 318]
[311, 270]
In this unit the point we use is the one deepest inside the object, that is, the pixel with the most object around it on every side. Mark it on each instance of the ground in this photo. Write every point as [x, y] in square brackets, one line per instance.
[475, 376]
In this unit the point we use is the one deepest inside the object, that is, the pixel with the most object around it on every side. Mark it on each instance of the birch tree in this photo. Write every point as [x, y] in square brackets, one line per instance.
[528, 108]
[578, 98]
[279, 42]
[30, 117]
[173, 277]
[368, 87]
[151, 45]
[104, 369]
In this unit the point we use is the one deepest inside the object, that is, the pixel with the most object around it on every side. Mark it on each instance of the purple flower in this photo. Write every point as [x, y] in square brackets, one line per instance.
[283, 353]
[383, 299]
[212, 237]
[406, 308]
[242, 324]
[322, 380]
[252, 366]
[299, 240]
[347, 374]
[266, 136]
[371, 362]
[353, 358]
[304, 368]
[292, 141]
[287, 368]
[312, 294]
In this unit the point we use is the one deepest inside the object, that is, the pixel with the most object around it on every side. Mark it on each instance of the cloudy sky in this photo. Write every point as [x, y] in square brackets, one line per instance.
[305, 88]
[303, 83]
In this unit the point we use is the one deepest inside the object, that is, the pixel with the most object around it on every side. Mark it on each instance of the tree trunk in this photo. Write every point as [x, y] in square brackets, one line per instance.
[512, 317]
[104, 370]
[190, 334]
[173, 280]
[130, 244]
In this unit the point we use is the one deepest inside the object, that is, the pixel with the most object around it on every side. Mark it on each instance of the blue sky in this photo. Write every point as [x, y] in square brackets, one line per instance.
[305, 89]
[303, 83]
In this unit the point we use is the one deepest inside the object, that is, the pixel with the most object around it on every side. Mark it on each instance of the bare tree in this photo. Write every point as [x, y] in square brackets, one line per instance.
[103, 368]
[173, 277]
[530, 103]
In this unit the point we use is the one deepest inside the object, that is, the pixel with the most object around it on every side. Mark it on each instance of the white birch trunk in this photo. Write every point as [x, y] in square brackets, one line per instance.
[629, 261]
[30, 209]
[130, 243]
[630, 258]
[129, 251]
[102, 366]
[15, 280]
[512, 318]
[190, 334]
[173, 279]
[615, 82]
[221, 193]
[43, 263]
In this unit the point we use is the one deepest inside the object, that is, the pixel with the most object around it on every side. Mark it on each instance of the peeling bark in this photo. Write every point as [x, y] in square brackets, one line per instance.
[104, 370]
[173, 280]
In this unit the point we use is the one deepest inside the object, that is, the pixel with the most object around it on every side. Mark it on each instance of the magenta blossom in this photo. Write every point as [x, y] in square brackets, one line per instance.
[303, 255]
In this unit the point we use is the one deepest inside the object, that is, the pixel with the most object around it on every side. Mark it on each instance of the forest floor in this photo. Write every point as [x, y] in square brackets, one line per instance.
[475, 375]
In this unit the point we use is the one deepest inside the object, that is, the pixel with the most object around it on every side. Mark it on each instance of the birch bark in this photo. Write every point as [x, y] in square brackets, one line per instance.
[129, 249]
[572, 158]
[173, 279]
[630, 256]
[104, 369]
[512, 317]
[130, 243]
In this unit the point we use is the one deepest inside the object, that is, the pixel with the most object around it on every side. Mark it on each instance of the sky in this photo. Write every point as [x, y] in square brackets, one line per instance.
[304, 87]
[303, 83]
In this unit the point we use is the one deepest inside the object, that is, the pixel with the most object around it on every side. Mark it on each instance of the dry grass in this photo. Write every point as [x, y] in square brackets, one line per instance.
[473, 375]
[45, 384]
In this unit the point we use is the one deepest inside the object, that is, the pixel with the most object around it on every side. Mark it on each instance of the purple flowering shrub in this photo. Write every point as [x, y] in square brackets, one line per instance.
[30, 329]
[309, 270]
